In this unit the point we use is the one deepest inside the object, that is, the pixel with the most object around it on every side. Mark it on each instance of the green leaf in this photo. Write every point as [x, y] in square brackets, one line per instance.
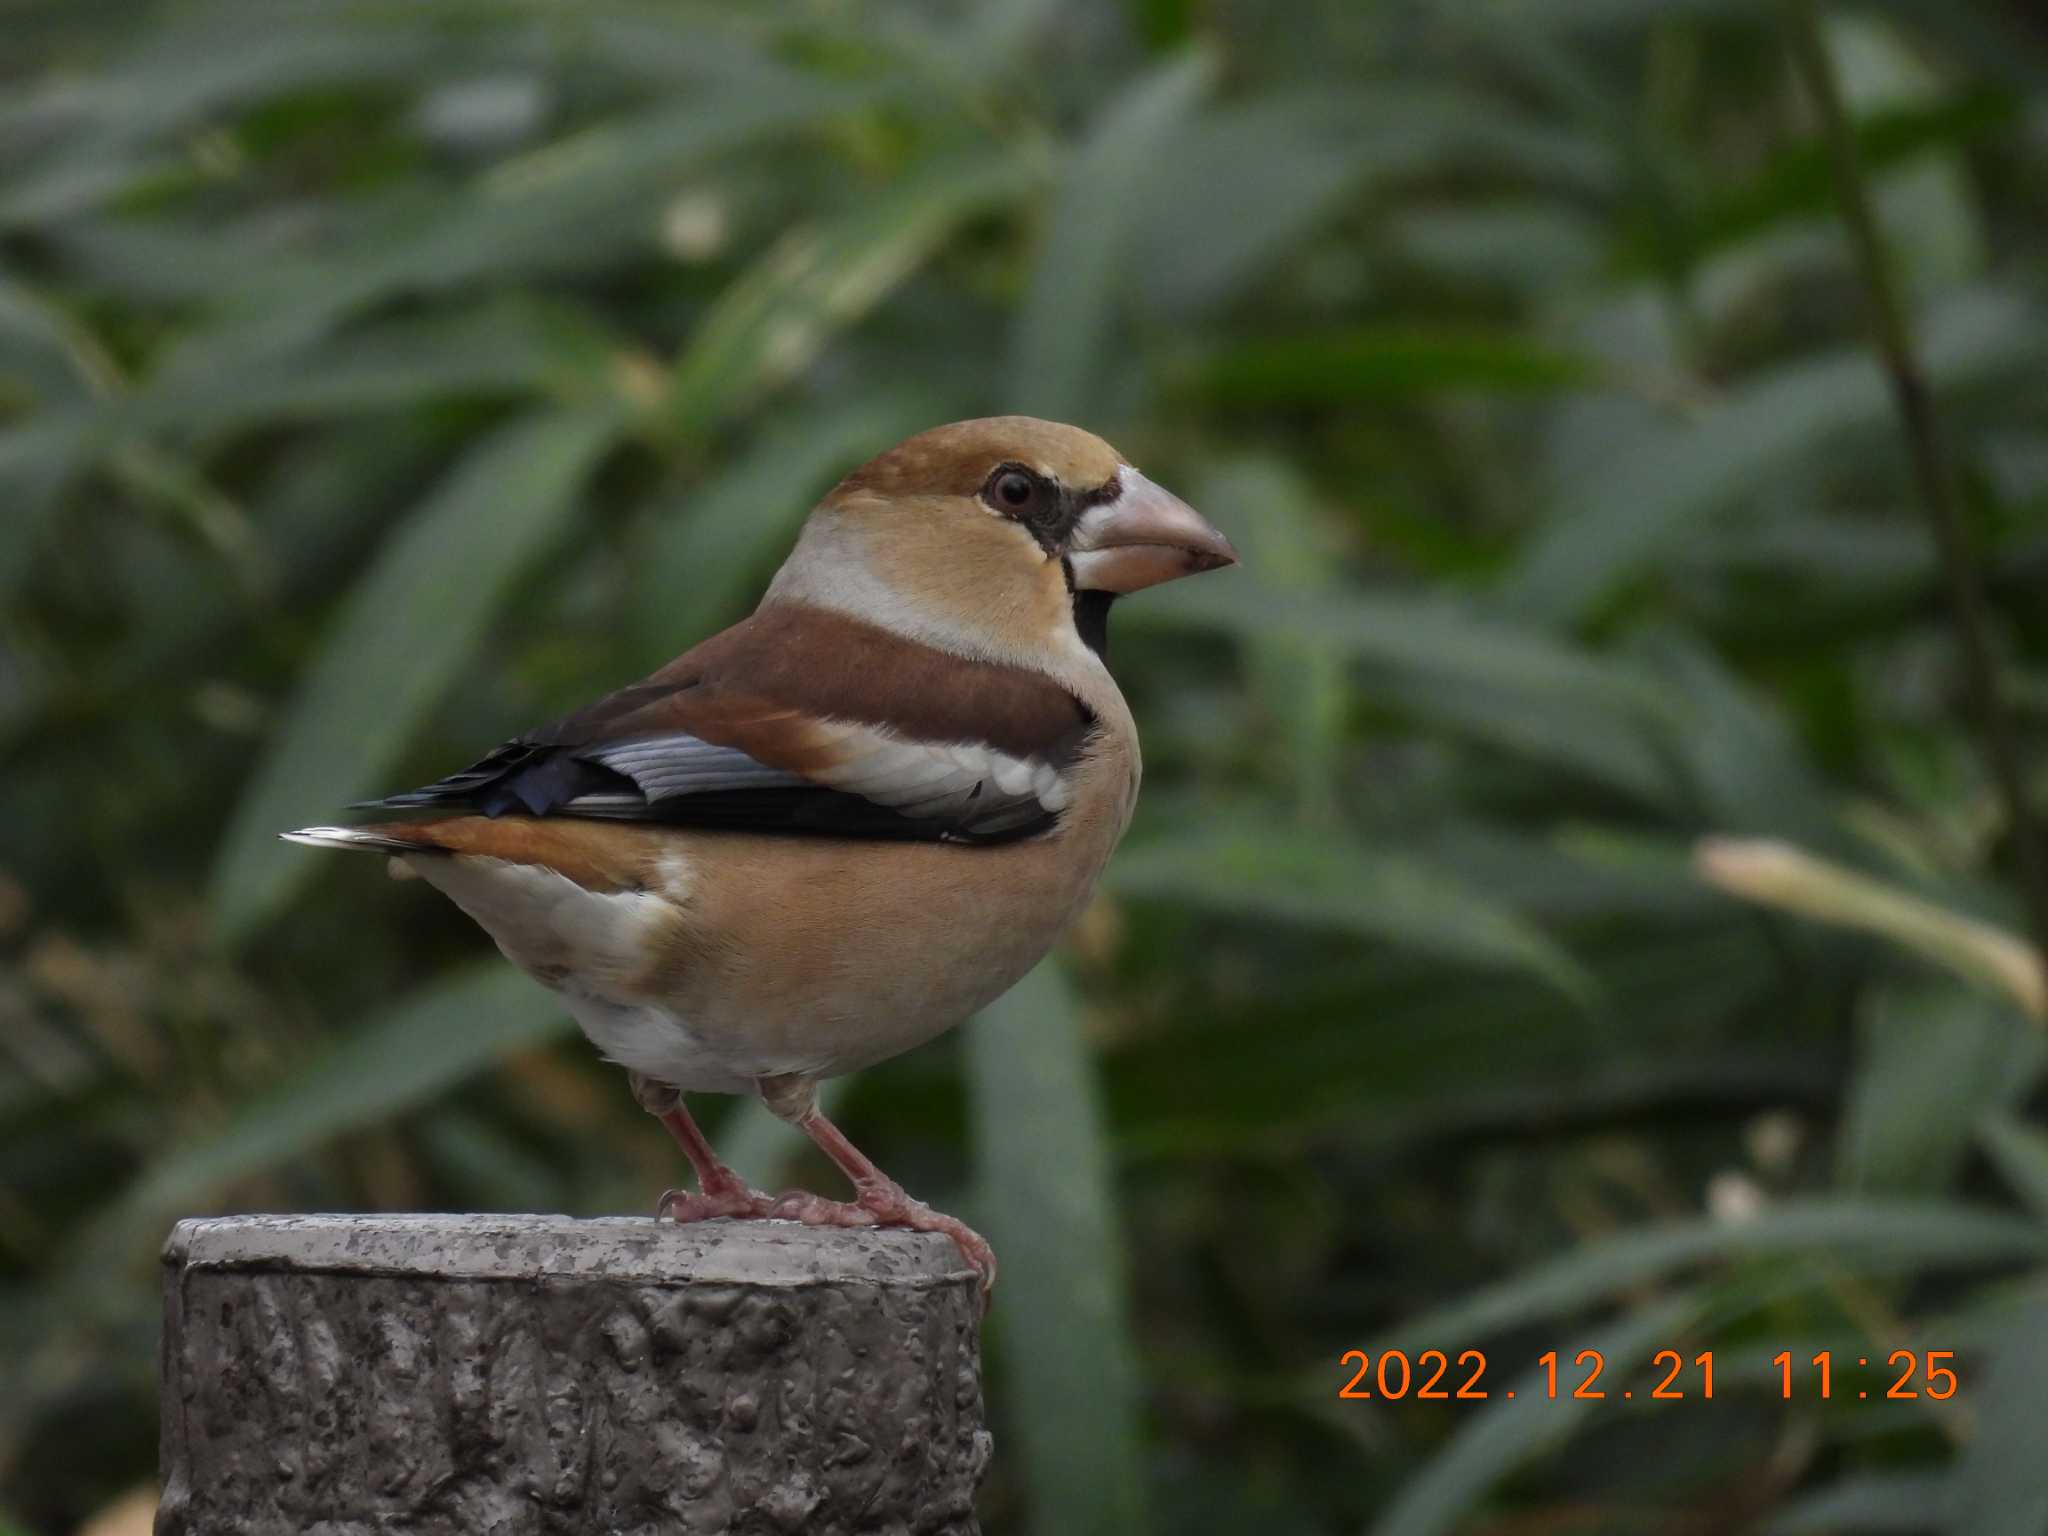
[2019, 1150]
[1798, 180]
[222, 60]
[1780, 875]
[1736, 753]
[566, 206]
[1387, 363]
[1629, 511]
[60, 361]
[1441, 643]
[406, 629]
[1241, 188]
[494, 351]
[1299, 682]
[1868, 1236]
[390, 1063]
[1510, 1432]
[1596, 742]
[1932, 1061]
[1451, 1053]
[39, 459]
[2001, 1482]
[1061, 344]
[771, 324]
[1522, 245]
[1068, 1379]
[215, 58]
[709, 548]
[1868, 1504]
[1319, 882]
[1237, 188]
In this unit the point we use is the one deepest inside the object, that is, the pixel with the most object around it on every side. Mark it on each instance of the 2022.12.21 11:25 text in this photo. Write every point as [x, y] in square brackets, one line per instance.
[1436, 1375]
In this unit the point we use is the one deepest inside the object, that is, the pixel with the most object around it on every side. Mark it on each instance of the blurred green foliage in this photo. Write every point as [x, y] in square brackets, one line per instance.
[377, 379]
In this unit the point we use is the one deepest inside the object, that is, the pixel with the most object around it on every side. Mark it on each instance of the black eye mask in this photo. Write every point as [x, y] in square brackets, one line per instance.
[1048, 509]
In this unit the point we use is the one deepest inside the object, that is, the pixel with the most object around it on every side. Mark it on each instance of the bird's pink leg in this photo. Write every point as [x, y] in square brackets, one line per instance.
[879, 1201]
[721, 1192]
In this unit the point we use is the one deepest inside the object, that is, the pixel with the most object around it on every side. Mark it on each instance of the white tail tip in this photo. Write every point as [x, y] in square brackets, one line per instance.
[347, 837]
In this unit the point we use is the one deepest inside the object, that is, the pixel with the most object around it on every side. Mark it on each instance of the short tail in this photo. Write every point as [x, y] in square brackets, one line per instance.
[598, 855]
[397, 838]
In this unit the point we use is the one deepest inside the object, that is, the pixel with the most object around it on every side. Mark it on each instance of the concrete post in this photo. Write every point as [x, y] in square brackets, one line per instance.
[436, 1375]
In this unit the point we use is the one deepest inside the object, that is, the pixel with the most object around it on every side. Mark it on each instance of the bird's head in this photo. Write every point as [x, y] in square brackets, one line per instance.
[1003, 536]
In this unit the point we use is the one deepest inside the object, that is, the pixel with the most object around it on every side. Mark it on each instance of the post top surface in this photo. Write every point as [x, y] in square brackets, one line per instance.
[634, 1248]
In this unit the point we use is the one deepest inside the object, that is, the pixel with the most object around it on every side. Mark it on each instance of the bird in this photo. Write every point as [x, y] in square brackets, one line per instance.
[847, 823]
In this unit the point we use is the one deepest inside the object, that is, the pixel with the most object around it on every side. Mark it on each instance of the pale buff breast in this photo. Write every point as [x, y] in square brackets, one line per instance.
[877, 949]
[732, 956]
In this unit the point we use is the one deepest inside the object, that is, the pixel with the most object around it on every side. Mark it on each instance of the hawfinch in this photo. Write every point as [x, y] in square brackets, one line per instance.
[840, 827]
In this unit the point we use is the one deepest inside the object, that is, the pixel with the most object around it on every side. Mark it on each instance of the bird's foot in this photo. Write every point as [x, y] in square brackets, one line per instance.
[887, 1204]
[728, 1196]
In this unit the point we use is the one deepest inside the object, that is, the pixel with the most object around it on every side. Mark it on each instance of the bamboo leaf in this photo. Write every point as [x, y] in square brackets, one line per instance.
[769, 326]
[1387, 363]
[1866, 1236]
[1631, 510]
[405, 630]
[390, 1063]
[1061, 343]
[1932, 1062]
[1299, 683]
[709, 549]
[495, 351]
[1276, 874]
[1739, 759]
[1441, 643]
[2019, 1150]
[1787, 877]
[1069, 1381]
[2001, 1482]
[58, 360]
[568, 205]
[1517, 1428]
[1868, 1504]
[1235, 189]
[39, 460]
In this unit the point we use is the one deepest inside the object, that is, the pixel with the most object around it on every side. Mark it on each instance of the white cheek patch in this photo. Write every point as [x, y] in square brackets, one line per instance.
[829, 569]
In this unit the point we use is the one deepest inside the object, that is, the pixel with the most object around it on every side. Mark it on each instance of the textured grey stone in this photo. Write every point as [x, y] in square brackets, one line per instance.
[343, 1375]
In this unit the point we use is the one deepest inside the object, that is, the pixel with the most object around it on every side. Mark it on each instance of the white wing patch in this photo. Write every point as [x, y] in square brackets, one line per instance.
[941, 778]
[969, 783]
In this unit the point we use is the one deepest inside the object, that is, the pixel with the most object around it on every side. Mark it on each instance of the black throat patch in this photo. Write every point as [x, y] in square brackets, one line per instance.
[1091, 620]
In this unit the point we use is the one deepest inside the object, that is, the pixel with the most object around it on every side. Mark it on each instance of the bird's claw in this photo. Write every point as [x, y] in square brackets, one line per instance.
[876, 1205]
[736, 1200]
[888, 1205]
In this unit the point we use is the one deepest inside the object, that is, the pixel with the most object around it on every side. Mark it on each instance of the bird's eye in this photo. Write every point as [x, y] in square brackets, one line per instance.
[1014, 488]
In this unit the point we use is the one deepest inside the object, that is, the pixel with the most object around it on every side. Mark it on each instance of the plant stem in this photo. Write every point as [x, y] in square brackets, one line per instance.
[1931, 469]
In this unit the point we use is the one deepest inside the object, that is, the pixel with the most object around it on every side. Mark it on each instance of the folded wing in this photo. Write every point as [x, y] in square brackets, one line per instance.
[801, 721]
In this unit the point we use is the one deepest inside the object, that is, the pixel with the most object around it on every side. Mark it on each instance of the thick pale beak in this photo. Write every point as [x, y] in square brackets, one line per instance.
[1146, 536]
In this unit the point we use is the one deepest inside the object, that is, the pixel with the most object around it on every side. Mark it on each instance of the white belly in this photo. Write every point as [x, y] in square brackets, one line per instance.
[584, 945]
[649, 1039]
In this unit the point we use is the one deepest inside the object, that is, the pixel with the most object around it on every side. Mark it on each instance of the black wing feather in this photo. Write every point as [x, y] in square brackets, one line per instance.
[759, 727]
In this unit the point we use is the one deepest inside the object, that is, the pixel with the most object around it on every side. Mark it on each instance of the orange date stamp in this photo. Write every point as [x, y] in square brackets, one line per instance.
[1435, 1375]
